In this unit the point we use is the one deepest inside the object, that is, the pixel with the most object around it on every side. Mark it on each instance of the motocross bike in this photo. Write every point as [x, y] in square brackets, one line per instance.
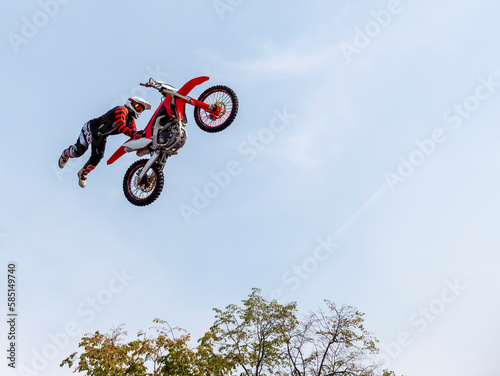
[165, 134]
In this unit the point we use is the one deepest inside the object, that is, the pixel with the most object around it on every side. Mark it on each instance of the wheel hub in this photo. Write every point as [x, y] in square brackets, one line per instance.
[147, 183]
[219, 108]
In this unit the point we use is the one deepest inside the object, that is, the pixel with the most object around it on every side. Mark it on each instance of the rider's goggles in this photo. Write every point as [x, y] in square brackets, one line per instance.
[139, 107]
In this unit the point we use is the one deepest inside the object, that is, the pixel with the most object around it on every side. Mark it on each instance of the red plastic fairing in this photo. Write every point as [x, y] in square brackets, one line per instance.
[116, 155]
[167, 105]
[149, 127]
[179, 108]
[188, 86]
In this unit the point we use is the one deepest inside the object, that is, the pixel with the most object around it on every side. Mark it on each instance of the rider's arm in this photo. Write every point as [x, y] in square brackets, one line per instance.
[121, 121]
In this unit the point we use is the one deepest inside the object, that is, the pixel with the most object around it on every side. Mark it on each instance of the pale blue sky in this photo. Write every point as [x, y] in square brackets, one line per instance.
[421, 261]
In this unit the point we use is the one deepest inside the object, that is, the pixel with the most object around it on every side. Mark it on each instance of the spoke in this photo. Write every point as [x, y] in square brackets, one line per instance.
[135, 188]
[224, 102]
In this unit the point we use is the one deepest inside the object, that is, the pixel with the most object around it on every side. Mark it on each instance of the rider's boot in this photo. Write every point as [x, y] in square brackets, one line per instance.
[82, 175]
[63, 159]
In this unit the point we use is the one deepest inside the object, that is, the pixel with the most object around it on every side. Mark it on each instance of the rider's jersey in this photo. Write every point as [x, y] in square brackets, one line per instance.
[117, 120]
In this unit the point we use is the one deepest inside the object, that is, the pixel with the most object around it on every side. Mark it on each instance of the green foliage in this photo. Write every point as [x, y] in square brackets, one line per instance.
[106, 355]
[252, 336]
[167, 352]
[258, 338]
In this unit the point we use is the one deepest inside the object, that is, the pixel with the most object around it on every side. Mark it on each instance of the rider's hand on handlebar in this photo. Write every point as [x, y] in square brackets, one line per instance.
[137, 134]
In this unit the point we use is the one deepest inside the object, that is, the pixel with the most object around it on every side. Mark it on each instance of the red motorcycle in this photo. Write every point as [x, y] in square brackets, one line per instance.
[165, 134]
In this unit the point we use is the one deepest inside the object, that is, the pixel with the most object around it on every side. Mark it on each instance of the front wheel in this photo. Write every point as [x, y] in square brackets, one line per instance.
[223, 104]
[142, 193]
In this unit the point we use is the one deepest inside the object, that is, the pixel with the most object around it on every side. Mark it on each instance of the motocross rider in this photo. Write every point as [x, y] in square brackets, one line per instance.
[95, 132]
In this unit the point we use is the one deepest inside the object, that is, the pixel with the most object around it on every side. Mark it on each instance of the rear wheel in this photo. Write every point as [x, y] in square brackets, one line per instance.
[142, 193]
[223, 104]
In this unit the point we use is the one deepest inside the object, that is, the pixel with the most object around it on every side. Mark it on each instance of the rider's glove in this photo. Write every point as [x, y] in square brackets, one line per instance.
[137, 134]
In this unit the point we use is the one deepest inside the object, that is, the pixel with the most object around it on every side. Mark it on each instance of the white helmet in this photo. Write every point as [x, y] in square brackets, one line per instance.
[137, 105]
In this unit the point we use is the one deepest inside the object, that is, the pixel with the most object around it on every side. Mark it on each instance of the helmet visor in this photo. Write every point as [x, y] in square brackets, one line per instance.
[138, 107]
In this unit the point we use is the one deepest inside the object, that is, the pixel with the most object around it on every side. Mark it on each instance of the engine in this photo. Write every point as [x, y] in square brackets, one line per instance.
[172, 136]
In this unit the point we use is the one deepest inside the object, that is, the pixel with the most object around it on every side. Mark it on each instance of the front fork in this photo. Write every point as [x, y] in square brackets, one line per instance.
[148, 165]
[197, 103]
[215, 111]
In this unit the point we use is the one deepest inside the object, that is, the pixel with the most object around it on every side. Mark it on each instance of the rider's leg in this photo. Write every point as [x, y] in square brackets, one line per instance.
[79, 148]
[82, 174]
[98, 147]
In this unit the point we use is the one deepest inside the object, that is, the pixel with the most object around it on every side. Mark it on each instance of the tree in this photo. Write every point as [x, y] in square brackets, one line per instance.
[105, 355]
[167, 353]
[252, 337]
[256, 339]
[331, 343]
[265, 337]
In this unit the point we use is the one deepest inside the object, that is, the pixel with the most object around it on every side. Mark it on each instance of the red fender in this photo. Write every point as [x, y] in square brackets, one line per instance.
[188, 86]
[116, 155]
[119, 152]
[184, 90]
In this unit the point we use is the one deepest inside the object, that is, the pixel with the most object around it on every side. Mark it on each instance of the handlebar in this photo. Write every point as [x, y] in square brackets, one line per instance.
[163, 88]
[152, 83]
